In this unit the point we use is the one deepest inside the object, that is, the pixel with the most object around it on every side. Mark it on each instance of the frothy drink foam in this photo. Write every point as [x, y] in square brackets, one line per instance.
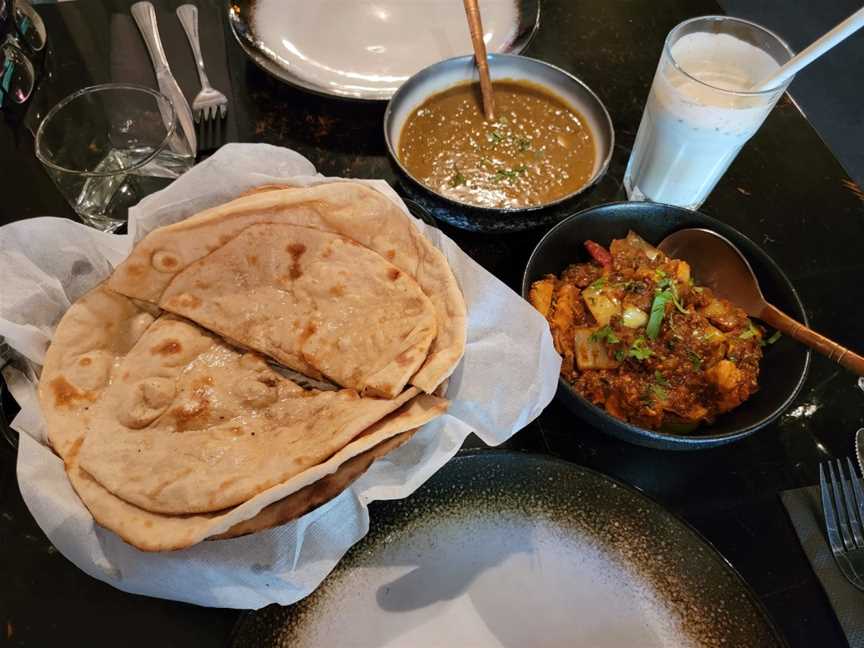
[691, 132]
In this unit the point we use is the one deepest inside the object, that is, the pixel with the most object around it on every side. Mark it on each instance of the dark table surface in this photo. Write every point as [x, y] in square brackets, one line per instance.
[786, 191]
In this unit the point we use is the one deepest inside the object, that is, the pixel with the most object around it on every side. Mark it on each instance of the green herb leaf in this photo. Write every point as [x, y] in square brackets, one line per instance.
[658, 312]
[605, 334]
[750, 332]
[523, 143]
[620, 354]
[505, 174]
[660, 379]
[774, 337]
[598, 284]
[494, 137]
[676, 300]
[638, 350]
[659, 392]
[457, 179]
[695, 359]
[660, 275]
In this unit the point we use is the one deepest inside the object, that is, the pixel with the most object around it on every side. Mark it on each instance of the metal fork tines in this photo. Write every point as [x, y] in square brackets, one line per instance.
[843, 506]
[209, 103]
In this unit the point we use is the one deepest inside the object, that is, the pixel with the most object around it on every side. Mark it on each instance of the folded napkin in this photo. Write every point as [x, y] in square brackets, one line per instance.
[804, 506]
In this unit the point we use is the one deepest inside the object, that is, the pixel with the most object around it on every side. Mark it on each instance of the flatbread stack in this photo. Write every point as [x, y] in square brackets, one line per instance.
[178, 392]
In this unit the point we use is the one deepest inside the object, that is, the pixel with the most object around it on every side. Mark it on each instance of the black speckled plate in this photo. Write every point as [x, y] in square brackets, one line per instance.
[508, 549]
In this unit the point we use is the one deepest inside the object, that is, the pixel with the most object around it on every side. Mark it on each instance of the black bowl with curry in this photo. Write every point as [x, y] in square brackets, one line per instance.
[648, 355]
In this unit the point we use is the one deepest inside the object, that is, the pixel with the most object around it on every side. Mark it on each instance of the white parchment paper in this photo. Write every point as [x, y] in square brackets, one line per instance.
[508, 375]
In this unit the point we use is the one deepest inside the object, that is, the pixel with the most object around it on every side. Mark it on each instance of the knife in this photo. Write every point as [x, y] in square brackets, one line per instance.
[145, 18]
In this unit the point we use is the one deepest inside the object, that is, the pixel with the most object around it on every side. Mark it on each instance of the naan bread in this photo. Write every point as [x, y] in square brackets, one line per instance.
[97, 329]
[191, 425]
[150, 531]
[311, 497]
[348, 209]
[316, 302]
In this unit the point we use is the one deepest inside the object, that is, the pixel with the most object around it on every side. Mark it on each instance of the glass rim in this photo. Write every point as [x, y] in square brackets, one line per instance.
[667, 51]
[170, 128]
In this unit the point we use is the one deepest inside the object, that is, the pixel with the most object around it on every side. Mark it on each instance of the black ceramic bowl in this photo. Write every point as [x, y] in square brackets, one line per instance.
[784, 365]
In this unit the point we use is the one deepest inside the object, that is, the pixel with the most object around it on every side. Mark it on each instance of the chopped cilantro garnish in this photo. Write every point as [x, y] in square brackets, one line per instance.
[660, 379]
[638, 350]
[660, 275]
[676, 300]
[605, 334]
[457, 179]
[695, 359]
[495, 137]
[505, 174]
[598, 284]
[774, 337]
[659, 392]
[750, 332]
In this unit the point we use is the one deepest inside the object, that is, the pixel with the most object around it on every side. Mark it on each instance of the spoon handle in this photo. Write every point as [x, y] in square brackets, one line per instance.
[475, 27]
[794, 329]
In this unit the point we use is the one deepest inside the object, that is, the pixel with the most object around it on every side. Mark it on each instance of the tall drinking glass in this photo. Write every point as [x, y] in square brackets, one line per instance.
[701, 109]
[108, 146]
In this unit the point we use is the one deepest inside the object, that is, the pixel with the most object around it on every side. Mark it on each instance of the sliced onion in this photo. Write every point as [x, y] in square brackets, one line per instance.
[634, 317]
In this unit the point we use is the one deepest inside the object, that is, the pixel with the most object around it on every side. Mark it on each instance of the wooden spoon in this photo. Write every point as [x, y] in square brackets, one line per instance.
[721, 267]
[475, 26]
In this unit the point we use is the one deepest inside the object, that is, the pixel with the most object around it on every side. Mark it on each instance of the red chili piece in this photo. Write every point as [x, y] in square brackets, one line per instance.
[599, 253]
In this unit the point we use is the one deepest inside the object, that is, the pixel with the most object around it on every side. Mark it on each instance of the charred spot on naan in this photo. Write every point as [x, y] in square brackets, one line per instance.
[65, 393]
[337, 291]
[393, 274]
[167, 348]
[185, 301]
[165, 261]
[296, 250]
[405, 358]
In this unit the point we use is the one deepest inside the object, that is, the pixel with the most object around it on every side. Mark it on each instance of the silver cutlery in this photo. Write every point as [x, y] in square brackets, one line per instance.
[145, 18]
[843, 507]
[209, 102]
[859, 448]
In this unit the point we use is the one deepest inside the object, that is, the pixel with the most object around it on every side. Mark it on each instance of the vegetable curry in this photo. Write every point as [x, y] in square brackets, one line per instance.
[640, 339]
[537, 150]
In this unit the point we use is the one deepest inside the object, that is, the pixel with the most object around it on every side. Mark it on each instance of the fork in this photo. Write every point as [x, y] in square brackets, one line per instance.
[843, 506]
[209, 102]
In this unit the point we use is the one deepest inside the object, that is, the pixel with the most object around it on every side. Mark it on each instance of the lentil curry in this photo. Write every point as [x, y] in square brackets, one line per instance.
[537, 150]
[641, 340]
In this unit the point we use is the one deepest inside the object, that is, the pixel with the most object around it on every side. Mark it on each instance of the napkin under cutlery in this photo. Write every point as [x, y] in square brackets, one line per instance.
[805, 510]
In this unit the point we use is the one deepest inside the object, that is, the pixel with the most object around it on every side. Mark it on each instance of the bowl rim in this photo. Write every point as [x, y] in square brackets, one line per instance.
[431, 70]
[680, 440]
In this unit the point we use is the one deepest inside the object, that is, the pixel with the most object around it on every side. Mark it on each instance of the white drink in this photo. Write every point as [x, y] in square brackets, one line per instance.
[698, 116]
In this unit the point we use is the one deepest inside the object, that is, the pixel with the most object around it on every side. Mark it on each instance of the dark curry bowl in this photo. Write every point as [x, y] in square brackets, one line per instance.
[784, 364]
[445, 74]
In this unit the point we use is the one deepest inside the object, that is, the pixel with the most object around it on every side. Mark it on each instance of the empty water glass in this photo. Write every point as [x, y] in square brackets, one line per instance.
[108, 146]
